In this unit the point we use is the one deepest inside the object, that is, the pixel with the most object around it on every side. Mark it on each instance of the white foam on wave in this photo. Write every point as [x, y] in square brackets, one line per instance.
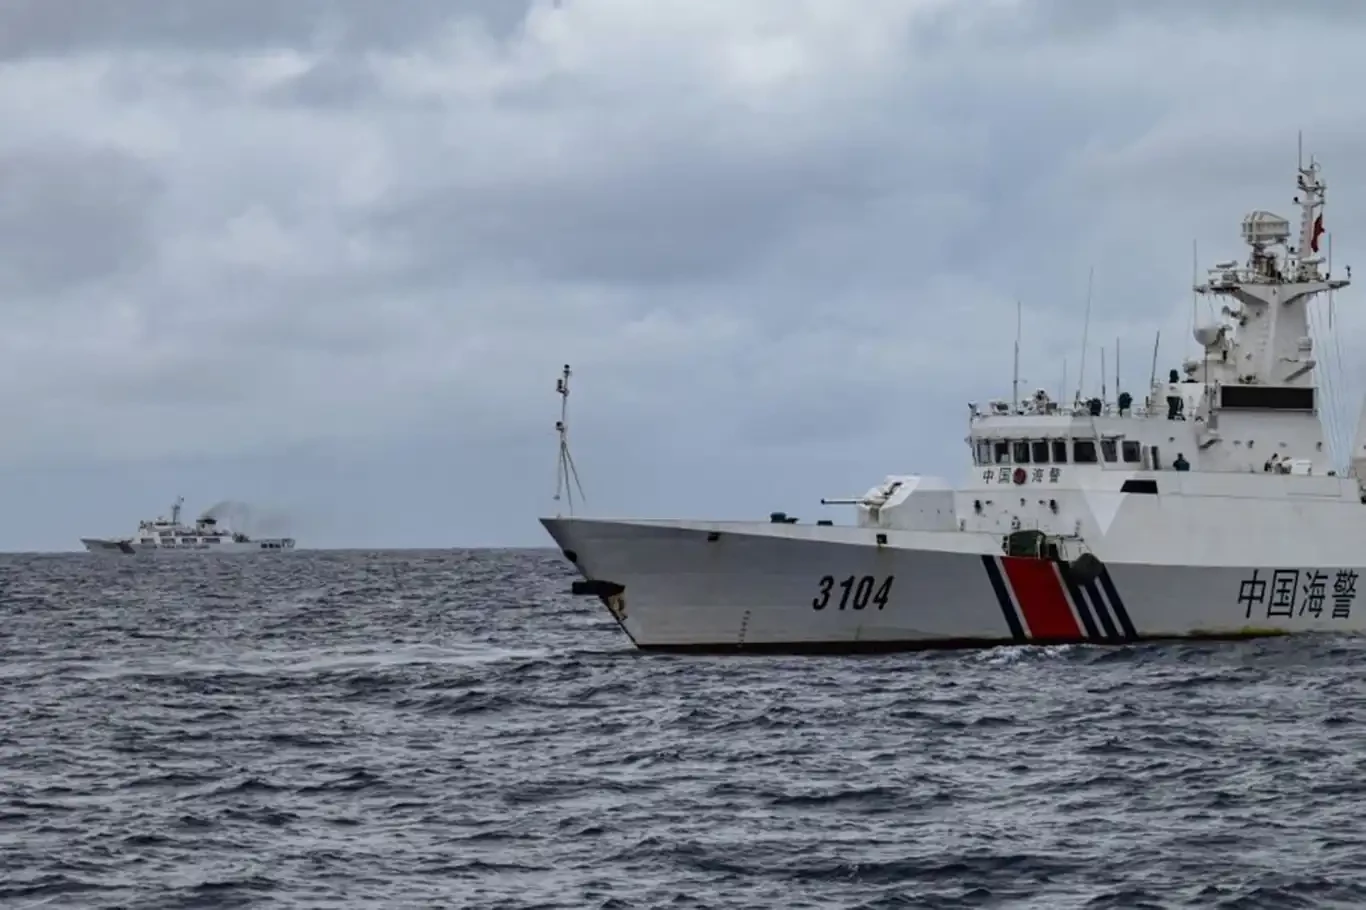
[268, 662]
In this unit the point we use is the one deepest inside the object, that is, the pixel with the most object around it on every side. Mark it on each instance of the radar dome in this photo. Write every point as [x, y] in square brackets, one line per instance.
[1207, 336]
[1265, 228]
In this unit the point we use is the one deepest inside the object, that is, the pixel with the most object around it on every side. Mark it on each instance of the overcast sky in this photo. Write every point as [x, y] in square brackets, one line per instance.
[326, 257]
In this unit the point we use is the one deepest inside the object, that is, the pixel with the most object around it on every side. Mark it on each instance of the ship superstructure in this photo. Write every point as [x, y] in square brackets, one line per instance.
[1212, 507]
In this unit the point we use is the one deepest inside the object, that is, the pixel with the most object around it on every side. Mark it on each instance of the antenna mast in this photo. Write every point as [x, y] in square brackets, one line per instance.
[1015, 381]
[1117, 390]
[566, 470]
[1104, 392]
[1195, 295]
[1328, 236]
[1152, 377]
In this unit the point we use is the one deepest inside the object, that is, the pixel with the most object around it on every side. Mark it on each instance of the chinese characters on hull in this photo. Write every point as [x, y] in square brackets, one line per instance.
[1005, 475]
[1293, 592]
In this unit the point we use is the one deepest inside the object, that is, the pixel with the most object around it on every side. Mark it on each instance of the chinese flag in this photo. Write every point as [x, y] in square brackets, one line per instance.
[1314, 237]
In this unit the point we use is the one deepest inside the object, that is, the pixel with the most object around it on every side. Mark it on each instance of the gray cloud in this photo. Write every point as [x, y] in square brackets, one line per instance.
[335, 81]
[72, 215]
[40, 27]
[1101, 17]
[667, 208]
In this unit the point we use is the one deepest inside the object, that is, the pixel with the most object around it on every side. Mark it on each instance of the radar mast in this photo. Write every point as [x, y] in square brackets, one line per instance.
[566, 471]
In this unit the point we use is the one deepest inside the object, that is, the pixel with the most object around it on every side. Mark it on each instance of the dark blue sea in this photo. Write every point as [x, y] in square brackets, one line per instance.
[452, 729]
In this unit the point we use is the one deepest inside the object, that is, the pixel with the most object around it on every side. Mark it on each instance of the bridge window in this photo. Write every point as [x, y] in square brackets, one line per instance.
[1060, 451]
[1272, 398]
[1021, 451]
[1131, 451]
[1002, 452]
[983, 452]
[1109, 450]
[1039, 451]
[1084, 451]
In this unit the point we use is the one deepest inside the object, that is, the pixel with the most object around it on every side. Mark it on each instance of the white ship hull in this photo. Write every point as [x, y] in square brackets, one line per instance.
[132, 548]
[756, 586]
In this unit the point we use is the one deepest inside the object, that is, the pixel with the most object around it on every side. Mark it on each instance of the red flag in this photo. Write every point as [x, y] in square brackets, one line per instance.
[1314, 236]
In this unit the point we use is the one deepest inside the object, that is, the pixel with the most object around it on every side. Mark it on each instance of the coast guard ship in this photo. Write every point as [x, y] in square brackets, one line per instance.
[1210, 509]
[169, 535]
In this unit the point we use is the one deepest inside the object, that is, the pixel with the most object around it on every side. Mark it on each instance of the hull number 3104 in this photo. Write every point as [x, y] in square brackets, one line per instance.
[854, 592]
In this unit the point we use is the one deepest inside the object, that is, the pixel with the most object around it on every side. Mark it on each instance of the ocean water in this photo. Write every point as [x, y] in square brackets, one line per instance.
[452, 729]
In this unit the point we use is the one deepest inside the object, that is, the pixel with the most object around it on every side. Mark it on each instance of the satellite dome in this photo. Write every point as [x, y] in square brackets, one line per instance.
[1207, 336]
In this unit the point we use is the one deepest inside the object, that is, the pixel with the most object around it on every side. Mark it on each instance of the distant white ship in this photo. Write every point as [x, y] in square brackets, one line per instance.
[168, 535]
